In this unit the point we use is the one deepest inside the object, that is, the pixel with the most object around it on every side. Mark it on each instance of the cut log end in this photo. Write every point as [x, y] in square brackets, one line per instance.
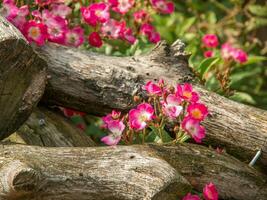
[18, 180]
[22, 79]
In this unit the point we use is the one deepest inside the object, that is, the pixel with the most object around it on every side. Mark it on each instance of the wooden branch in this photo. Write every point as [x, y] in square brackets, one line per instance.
[96, 84]
[123, 172]
[22, 79]
[47, 128]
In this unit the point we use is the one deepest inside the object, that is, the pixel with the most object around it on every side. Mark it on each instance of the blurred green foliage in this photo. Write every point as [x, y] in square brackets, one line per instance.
[240, 22]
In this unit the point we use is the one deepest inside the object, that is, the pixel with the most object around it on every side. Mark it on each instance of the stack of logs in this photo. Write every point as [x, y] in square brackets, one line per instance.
[53, 160]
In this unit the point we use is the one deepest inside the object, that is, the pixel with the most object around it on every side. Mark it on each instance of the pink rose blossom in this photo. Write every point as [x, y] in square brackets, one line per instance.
[122, 6]
[127, 35]
[9, 10]
[197, 111]
[161, 82]
[189, 196]
[113, 3]
[37, 14]
[208, 54]
[111, 140]
[95, 13]
[194, 129]
[56, 28]
[149, 31]
[68, 112]
[227, 51]
[46, 15]
[152, 88]
[115, 114]
[101, 11]
[163, 6]
[210, 192]
[95, 40]
[60, 10]
[154, 37]
[140, 16]
[74, 37]
[116, 128]
[20, 19]
[8, 1]
[88, 16]
[139, 117]
[146, 28]
[112, 28]
[186, 92]
[240, 56]
[210, 40]
[172, 107]
[35, 32]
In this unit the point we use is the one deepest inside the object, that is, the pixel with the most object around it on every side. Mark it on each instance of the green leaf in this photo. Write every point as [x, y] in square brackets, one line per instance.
[255, 59]
[152, 137]
[166, 137]
[258, 10]
[184, 26]
[255, 22]
[161, 134]
[95, 131]
[243, 97]
[211, 17]
[77, 119]
[236, 77]
[206, 65]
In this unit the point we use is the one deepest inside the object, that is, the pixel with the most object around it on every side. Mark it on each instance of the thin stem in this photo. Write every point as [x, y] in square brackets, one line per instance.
[155, 105]
[184, 138]
[131, 136]
[144, 135]
[179, 134]
[160, 134]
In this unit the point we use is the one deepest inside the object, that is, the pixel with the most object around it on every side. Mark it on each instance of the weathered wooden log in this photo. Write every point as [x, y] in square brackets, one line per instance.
[123, 172]
[96, 84]
[200, 165]
[33, 173]
[22, 78]
[47, 128]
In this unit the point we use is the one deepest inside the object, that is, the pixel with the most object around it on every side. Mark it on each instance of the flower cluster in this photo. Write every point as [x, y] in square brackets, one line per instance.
[60, 22]
[209, 193]
[228, 52]
[178, 106]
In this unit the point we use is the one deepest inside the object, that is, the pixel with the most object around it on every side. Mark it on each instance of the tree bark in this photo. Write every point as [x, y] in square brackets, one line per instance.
[22, 79]
[86, 173]
[123, 172]
[48, 128]
[96, 84]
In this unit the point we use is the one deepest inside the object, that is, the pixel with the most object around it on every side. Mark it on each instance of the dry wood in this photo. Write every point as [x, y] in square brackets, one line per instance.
[33, 173]
[96, 84]
[123, 172]
[50, 129]
[22, 78]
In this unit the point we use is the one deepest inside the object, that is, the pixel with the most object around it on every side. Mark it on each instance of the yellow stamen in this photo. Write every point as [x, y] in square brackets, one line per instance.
[196, 113]
[187, 94]
[34, 32]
